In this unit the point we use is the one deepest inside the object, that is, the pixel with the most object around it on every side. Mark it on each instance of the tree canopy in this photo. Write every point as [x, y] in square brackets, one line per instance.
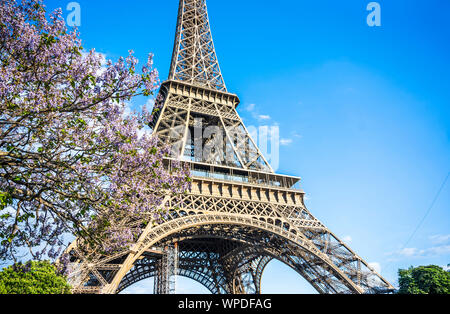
[424, 280]
[72, 161]
[33, 278]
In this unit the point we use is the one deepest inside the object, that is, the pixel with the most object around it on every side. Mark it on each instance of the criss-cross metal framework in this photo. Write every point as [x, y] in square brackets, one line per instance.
[239, 214]
[194, 58]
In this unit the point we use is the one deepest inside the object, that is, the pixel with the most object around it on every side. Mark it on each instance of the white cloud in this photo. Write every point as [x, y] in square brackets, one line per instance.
[250, 107]
[375, 266]
[285, 141]
[347, 239]
[150, 103]
[439, 246]
[440, 239]
[408, 252]
[437, 250]
[127, 110]
[432, 251]
[263, 117]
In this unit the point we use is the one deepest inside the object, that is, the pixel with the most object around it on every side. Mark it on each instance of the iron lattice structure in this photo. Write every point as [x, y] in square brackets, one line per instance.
[239, 214]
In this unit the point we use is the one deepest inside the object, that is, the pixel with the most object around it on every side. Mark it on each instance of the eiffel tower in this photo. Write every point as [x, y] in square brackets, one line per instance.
[239, 214]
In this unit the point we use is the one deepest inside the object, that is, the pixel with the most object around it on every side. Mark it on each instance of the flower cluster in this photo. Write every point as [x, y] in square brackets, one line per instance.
[71, 160]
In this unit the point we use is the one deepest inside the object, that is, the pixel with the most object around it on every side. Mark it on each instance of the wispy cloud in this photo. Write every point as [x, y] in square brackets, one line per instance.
[432, 251]
[437, 250]
[439, 246]
[408, 252]
[347, 239]
[286, 141]
[440, 239]
[250, 107]
[253, 110]
[263, 117]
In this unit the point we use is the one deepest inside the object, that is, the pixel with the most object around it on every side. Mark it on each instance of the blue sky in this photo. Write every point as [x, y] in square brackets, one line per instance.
[363, 112]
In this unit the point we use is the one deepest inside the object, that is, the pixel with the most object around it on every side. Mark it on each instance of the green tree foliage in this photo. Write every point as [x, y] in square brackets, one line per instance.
[33, 278]
[424, 280]
[5, 200]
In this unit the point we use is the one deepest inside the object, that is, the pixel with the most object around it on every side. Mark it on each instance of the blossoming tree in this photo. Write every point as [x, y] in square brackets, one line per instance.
[71, 160]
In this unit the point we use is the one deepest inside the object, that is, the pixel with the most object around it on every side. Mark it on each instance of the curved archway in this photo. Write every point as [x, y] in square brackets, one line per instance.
[147, 268]
[276, 277]
[296, 247]
[292, 249]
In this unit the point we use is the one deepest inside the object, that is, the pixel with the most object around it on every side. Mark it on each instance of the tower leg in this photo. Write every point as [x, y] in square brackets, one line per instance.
[167, 269]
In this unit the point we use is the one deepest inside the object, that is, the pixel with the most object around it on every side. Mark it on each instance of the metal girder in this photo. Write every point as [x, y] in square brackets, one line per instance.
[194, 58]
[204, 126]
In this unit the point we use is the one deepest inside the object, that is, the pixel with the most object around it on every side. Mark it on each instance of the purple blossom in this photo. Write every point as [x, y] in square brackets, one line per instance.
[72, 161]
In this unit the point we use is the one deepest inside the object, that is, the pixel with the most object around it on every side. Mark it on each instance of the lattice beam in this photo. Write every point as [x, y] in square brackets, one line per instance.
[194, 58]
